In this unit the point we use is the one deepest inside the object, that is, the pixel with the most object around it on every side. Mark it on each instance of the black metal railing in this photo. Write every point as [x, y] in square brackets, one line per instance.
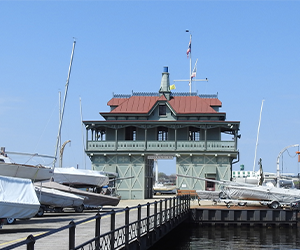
[149, 218]
[123, 236]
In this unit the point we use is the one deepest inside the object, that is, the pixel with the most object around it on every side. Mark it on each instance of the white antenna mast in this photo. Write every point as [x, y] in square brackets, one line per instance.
[82, 134]
[63, 107]
[262, 103]
[191, 74]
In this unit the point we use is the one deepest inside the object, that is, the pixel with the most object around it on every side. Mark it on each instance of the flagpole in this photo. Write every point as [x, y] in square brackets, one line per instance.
[192, 75]
[190, 78]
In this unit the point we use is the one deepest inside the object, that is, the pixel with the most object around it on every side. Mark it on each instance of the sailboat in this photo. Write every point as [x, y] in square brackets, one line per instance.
[244, 193]
[91, 199]
[52, 199]
[71, 176]
[17, 198]
[66, 179]
[80, 178]
[33, 172]
[251, 177]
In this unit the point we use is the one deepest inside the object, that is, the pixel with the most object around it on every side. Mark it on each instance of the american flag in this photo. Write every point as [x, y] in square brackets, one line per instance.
[189, 49]
[194, 73]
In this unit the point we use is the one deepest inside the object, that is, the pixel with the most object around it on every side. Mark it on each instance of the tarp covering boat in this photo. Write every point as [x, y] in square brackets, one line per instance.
[244, 191]
[91, 199]
[17, 198]
[263, 193]
[208, 195]
[56, 198]
[80, 177]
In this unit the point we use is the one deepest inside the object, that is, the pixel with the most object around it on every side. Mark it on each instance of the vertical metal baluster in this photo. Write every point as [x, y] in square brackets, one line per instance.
[72, 235]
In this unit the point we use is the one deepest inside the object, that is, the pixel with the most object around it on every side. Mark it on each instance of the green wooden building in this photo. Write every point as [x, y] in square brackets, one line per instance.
[143, 126]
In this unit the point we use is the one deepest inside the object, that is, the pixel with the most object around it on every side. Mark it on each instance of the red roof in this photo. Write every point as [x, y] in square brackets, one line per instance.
[136, 104]
[116, 101]
[180, 104]
[191, 104]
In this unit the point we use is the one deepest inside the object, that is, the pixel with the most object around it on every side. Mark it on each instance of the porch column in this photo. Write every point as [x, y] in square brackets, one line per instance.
[116, 139]
[205, 138]
[145, 138]
[175, 138]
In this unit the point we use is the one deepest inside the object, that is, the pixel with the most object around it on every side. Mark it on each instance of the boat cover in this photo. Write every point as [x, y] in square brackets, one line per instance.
[17, 198]
[80, 177]
[263, 193]
[208, 195]
[91, 199]
[56, 198]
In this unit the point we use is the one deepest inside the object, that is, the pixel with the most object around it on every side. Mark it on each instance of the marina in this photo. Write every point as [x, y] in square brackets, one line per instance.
[74, 210]
[150, 221]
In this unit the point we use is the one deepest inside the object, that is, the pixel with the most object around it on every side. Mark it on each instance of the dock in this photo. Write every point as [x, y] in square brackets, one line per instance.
[133, 224]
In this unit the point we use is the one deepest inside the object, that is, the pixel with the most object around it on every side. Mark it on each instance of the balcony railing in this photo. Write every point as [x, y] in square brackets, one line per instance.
[161, 146]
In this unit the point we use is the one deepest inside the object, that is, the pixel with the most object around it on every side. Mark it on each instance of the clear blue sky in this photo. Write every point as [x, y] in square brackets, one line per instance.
[249, 50]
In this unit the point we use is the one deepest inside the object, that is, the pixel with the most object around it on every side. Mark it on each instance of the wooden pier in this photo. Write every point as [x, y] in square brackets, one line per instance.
[134, 226]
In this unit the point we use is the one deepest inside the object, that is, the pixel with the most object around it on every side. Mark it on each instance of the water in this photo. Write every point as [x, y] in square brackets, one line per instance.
[192, 236]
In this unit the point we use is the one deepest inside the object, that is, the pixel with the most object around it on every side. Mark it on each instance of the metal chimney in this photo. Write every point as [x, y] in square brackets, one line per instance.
[165, 84]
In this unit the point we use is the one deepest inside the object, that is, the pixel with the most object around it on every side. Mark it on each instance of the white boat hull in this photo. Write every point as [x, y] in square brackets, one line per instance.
[165, 189]
[35, 173]
[90, 199]
[56, 198]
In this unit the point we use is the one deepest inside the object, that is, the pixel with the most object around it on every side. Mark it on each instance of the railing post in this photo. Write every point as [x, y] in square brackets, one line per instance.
[72, 235]
[127, 228]
[148, 218]
[179, 200]
[174, 207]
[97, 231]
[139, 218]
[166, 209]
[30, 245]
[155, 215]
[177, 206]
[112, 229]
[160, 212]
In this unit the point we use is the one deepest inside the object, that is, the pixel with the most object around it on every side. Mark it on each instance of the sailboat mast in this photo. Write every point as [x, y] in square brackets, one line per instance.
[63, 107]
[262, 103]
[82, 133]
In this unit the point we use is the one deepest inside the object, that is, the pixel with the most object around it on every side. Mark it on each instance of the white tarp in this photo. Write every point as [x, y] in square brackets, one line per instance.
[56, 198]
[17, 198]
[72, 176]
[208, 195]
[264, 193]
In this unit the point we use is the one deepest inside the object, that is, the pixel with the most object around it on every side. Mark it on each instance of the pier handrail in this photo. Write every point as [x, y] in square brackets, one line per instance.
[180, 206]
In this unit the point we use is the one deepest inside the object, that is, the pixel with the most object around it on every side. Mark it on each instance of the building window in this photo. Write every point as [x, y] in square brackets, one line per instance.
[130, 133]
[210, 186]
[162, 110]
[162, 134]
[194, 134]
[100, 135]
